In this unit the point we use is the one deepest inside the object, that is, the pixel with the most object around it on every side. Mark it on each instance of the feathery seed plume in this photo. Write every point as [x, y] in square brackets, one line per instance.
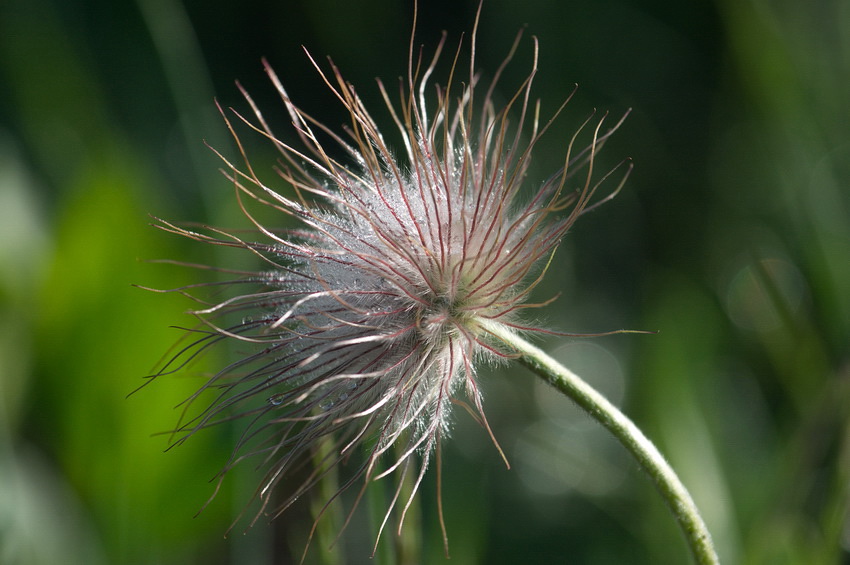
[371, 316]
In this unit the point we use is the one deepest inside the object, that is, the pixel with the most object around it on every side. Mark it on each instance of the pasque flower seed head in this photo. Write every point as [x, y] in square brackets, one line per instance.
[370, 317]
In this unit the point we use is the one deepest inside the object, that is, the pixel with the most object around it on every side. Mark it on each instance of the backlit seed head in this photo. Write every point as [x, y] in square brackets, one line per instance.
[366, 323]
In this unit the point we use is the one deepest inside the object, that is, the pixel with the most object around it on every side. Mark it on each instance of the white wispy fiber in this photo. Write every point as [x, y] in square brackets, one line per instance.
[367, 322]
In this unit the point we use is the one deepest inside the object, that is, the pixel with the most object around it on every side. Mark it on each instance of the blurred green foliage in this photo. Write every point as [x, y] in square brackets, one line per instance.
[732, 239]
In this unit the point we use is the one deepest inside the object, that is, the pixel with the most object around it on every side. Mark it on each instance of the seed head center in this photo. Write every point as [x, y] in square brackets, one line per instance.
[442, 316]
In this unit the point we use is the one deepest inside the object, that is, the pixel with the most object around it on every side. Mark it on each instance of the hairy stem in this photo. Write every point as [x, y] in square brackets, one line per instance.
[671, 488]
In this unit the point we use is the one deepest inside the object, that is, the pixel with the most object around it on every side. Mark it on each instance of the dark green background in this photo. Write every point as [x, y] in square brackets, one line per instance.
[731, 238]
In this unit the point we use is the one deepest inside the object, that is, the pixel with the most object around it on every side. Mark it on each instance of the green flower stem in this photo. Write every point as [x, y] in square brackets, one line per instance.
[669, 485]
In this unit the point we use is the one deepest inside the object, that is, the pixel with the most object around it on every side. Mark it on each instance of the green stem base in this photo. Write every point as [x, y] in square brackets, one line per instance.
[671, 488]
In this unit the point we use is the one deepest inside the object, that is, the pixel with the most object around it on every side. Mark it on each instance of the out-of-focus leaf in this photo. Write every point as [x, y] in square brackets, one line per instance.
[96, 335]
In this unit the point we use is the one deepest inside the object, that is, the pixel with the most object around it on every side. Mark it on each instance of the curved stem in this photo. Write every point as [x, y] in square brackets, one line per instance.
[666, 480]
